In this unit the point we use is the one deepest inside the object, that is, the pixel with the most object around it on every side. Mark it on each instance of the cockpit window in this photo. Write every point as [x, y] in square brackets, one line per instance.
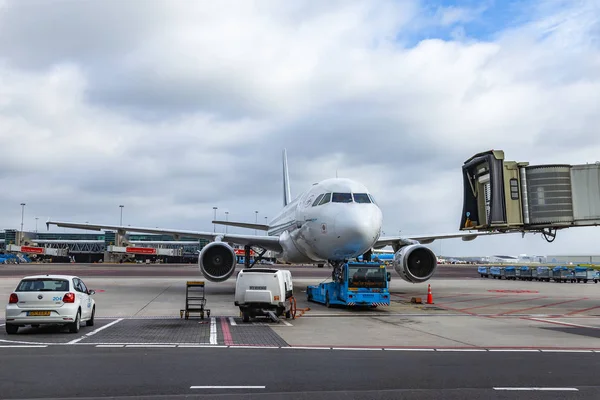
[372, 199]
[361, 198]
[318, 199]
[342, 198]
[326, 198]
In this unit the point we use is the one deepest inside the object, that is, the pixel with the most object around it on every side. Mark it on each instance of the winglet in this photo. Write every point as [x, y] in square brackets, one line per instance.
[286, 181]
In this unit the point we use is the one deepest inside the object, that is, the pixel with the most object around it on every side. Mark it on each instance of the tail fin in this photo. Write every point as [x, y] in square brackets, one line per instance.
[287, 196]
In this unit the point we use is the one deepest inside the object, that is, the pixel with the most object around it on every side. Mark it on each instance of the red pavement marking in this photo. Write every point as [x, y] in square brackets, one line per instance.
[504, 302]
[583, 310]
[546, 305]
[226, 332]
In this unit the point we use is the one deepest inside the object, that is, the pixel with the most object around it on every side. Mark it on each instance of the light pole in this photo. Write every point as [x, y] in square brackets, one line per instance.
[255, 221]
[214, 219]
[266, 221]
[36, 220]
[22, 215]
[121, 224]
[226, 219]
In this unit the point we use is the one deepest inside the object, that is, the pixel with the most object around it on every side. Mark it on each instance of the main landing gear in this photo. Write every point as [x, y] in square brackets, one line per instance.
[247, 263]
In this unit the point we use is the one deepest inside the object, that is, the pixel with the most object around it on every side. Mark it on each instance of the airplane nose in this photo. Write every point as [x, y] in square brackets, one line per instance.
[358, 228]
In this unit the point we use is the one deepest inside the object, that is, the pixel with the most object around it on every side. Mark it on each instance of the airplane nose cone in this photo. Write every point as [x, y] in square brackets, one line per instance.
[358, 227]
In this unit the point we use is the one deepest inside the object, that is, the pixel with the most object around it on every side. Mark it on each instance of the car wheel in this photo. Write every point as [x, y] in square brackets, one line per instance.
[90, 322]
[74, 327]
[12, 329]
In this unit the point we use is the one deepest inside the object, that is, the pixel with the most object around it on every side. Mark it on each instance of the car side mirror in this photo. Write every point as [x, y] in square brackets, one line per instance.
[91, 292]
[389, 276]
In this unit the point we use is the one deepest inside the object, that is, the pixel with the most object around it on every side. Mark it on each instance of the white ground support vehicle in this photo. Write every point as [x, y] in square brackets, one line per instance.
[262, 291]
[50, 300]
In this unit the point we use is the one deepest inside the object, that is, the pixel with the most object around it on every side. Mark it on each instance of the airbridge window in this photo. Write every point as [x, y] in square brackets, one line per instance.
[361, 198]
[342, 198]
[326, 199]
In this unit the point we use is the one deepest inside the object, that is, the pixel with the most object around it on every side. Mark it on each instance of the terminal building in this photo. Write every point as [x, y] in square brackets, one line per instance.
[105, 247]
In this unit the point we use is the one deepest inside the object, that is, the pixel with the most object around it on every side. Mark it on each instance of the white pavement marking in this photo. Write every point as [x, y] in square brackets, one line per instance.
[227, 387]
[460, 349]
[213, 330]
[253, 347]
[409, 349]
[200, 345]
[1, 325]
[232, 321]
[110, 345]
[565, 351]
[306, 348]
[356, 348]
[515, 350]
[94, 332]
[23, 342]
[22, 346]
[563, 323]
[286, 323]
[152, 345]
[564, 389]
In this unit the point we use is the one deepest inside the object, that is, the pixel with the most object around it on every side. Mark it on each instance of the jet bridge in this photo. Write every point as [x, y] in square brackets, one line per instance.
[509, 196]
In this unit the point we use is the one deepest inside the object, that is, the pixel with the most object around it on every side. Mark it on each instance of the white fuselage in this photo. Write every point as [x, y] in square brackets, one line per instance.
[344, 224]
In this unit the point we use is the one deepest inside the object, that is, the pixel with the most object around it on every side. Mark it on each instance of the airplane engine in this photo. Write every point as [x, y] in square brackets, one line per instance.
[217, 261]
[415, 263]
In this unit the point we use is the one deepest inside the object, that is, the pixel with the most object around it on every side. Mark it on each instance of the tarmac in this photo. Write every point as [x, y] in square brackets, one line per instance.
[468, 313]
[481, 339]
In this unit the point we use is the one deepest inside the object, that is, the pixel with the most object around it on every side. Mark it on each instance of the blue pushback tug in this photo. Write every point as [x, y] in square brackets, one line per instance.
[354, 284]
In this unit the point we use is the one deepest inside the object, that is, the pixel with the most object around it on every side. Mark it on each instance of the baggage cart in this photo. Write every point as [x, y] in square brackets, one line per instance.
[543, 274]
[195, 300]
[584, 274]
[526, 273]
[497, 272]
[483, 271]
[510, 273]
[563, 274]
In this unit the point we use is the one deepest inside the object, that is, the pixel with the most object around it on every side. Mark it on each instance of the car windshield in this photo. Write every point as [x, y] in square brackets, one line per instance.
[366, 277]
[43, 285]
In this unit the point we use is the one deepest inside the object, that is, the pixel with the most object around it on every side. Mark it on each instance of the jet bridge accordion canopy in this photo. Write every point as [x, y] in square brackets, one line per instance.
[507, 195]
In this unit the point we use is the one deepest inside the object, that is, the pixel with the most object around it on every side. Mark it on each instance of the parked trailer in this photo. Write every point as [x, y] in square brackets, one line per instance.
[584, 274]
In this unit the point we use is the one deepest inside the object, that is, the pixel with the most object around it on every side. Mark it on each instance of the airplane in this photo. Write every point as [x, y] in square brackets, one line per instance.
[334, 221]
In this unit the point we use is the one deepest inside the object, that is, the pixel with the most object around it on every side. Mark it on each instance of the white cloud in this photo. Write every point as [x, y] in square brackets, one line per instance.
[172, 110]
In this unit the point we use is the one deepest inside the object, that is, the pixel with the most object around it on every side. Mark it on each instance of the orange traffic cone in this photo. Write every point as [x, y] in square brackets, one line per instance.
[429, 296]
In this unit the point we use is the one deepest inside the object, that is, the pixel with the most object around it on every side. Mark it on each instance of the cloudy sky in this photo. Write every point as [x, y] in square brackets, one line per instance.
[173, 107]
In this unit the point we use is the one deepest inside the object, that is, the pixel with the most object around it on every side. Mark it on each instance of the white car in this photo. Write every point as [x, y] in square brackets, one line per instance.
[50, 300]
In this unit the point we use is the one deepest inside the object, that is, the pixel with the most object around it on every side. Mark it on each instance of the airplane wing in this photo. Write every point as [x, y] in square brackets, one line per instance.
[428, 238]
[266, 242]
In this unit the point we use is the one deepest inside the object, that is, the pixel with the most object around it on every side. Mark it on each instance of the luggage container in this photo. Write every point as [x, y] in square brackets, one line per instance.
[526, 273]
[584, 274]
[563, 274]
[543, 274]
[483, 271]
[497, 272]
[510, 273]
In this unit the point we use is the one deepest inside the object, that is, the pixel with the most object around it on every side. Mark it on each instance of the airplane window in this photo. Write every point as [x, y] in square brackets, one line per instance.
[342, 198]
[372, 199]
[361, 198]
[318, 199]
[325, 199]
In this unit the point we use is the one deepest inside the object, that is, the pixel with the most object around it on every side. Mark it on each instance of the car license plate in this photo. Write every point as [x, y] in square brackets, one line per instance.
[39, 313]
